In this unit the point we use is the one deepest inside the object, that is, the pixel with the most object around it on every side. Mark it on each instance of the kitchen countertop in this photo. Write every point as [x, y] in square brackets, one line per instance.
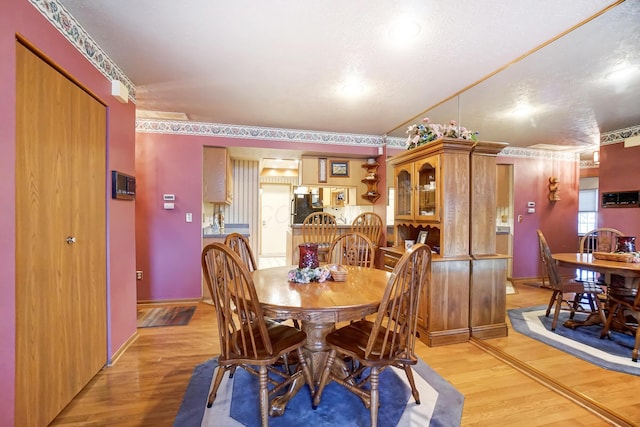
[340, 226]
[503, 230]
[211, 233]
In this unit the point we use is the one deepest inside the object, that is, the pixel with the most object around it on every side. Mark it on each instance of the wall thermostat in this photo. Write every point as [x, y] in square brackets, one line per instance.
[168, 197]
[531, 204]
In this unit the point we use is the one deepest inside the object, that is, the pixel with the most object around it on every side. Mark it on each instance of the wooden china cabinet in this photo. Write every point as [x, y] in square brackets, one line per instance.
[447, 189]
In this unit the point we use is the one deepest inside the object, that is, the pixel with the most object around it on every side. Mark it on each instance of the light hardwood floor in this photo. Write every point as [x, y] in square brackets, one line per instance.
[145, 387]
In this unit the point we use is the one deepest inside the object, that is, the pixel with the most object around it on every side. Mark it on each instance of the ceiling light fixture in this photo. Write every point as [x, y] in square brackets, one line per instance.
[622, 72]
[353, 90]
[404, 31]
[522, 110]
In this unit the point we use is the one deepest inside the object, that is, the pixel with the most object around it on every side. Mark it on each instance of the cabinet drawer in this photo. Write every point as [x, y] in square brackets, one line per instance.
[390, 261]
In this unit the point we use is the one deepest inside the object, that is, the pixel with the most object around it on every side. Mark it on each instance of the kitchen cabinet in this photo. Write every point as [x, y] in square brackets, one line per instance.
[335, 197]
[310, 176]
[217, 183]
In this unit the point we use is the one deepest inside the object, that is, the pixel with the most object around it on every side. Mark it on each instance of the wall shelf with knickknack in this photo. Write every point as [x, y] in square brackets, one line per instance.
[371, 180]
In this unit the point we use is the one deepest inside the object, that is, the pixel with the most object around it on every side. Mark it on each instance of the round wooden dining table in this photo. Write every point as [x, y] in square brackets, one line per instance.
[318, 307]
[629, 270]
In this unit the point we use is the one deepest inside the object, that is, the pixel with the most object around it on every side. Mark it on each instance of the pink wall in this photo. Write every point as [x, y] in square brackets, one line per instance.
[20, 17]
[619, 171]
[558, 221]
[167, 248]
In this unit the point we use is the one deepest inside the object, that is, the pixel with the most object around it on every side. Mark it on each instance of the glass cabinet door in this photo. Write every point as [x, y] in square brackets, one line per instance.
[427, 188]
[404, 192]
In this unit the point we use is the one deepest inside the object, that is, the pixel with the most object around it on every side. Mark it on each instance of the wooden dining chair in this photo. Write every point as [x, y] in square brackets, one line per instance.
[629, 302]
[352, 248]
[568, 293]
[241, 246]
[370, 224]
[320, 228]
[597, 240]
[387, 341]
[254, 344]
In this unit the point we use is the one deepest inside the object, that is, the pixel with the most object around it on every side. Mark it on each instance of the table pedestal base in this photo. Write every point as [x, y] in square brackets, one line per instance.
[316, 352]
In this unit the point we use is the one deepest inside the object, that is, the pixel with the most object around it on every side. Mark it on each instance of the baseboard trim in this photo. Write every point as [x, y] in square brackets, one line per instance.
[170, 301]
[589, 404]
[124, 347]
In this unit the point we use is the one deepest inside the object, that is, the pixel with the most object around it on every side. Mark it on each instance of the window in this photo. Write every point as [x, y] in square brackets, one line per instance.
[587, 210]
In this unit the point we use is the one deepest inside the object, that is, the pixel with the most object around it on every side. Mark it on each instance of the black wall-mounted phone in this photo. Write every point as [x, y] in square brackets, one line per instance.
[123, 186]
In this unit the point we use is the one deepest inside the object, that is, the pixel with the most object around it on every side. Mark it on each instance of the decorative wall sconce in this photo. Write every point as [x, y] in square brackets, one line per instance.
[553, 189]
[596, 157]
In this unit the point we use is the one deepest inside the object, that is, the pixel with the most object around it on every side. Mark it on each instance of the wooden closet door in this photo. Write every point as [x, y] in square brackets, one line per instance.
[61, 327]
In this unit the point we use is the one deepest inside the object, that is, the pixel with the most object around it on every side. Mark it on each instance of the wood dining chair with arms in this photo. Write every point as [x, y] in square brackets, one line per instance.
[352, 248]
[320, 228]
[256, 346]
[387, 341]
[369, 224]
[568, 293]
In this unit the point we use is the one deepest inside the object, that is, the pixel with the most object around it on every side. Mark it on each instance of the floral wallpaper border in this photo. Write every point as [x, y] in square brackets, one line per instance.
[77, 36]
[619, 135]
[254, 132]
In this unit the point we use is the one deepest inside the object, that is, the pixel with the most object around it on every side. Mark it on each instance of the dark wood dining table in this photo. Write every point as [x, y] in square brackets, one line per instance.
[318, 307]
[629, 271]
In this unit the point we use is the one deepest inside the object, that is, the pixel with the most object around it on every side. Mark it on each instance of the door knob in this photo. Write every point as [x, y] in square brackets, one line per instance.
[71, 240]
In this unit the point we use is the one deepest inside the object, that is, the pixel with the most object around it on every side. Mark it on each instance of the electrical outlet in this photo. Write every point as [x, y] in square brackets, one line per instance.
[139, 275]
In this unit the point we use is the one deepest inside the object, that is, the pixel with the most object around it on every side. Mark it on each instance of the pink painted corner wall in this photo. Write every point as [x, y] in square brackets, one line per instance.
[619, 171]
[558, 221]
[168, 248]
[21, 17]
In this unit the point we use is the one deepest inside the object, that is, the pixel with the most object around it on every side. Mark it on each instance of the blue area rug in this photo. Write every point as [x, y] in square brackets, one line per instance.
[583, 342]
[237, 402]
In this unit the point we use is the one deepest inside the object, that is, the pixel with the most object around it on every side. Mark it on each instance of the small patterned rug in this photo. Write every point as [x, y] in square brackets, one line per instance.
[164, 316]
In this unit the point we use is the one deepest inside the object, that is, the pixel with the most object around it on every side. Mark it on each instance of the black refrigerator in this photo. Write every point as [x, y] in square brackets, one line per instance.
[301, 207]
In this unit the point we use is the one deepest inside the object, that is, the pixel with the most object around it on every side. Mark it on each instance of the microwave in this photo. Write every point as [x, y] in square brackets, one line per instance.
[627, 199]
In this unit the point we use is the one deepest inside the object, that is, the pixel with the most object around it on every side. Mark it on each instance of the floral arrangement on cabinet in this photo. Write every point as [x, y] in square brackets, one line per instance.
[420, 134]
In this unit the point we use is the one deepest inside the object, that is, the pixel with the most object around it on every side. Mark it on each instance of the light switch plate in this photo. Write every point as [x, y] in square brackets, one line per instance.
[188, 217]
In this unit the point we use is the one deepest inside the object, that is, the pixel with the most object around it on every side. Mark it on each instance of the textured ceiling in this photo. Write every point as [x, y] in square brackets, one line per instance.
[283, 63]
